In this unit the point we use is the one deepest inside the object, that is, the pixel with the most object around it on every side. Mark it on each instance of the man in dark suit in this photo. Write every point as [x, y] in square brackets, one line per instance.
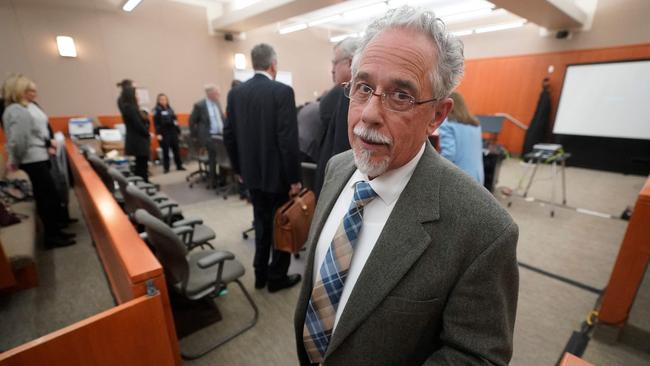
[334, 109]
[206, 122]
[261, 135]
[410, 261]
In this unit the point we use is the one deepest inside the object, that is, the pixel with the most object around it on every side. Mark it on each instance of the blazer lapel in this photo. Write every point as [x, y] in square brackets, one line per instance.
[401, 243]
[331, 190]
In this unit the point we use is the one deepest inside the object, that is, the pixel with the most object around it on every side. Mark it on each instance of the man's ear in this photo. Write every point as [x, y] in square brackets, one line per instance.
[442, 109]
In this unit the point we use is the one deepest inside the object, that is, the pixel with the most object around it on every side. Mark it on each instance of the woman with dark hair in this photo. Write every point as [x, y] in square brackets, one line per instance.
[167, 131]
[137, 130]
[460, 139]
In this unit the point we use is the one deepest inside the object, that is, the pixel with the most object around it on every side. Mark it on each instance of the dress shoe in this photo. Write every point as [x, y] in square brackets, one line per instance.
[165, 171]
[181, 169]
[260, 283]
[54, 242]
[289, 281]
[64, 235]
[71, 220]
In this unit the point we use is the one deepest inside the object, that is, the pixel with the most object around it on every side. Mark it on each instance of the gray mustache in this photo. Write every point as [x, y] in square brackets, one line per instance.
[371, 135]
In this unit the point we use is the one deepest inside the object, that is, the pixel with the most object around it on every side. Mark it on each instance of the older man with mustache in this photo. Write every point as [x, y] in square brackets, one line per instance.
[410, 261]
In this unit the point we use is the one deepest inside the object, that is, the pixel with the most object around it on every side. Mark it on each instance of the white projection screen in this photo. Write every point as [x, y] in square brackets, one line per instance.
[606, 100]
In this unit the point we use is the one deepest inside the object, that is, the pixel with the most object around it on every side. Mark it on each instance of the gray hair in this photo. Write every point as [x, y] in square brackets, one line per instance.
[348, 47]
[209, 88]
[448, 70]
[263, 56]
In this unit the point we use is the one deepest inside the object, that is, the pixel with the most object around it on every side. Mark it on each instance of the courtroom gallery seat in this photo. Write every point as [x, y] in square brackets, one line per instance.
[195, 274]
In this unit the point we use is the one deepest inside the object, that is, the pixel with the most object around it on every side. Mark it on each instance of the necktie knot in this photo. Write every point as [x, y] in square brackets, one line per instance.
[363, 193]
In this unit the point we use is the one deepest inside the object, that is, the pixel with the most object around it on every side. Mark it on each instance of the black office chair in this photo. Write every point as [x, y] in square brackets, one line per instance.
[195, 274]
[170, 213]
[202, 174]
[225, 168]
[100, 167]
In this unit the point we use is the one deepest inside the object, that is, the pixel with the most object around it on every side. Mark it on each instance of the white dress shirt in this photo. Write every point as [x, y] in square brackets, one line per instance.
[388, 187]
[216, 124]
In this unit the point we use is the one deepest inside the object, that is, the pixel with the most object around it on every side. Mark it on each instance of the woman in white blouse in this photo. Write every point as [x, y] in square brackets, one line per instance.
[29, 146]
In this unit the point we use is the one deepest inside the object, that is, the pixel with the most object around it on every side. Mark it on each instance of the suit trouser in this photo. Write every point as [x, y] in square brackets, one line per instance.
[141, 168]
[211, 146]
[48, 201]
[264, 206]
[170, 141]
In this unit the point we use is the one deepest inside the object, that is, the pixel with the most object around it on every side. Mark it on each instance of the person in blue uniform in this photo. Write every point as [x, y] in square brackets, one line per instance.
[167, 131]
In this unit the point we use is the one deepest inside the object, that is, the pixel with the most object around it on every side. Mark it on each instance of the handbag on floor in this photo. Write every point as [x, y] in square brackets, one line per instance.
[292, 222]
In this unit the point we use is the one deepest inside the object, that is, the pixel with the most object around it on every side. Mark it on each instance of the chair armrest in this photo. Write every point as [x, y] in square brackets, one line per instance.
[185, 233]
[188, 221]
[144, 236]
[159, 197]
[214, 258]
[147, 187]
[167, 204]
[134, 179]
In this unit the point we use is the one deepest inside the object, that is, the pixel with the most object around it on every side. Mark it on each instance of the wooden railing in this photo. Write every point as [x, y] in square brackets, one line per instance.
[630, 266]
[129, 266]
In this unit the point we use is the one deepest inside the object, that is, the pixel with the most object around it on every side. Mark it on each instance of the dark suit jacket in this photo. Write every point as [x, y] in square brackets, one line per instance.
[440, 286]
[137, 138]
[334, 115]
[261, 134]
[199, 122]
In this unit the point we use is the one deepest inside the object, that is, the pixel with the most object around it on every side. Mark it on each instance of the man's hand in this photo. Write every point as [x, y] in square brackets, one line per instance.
[295, 189]
[51, 150]
[159, 137]
[239, 179]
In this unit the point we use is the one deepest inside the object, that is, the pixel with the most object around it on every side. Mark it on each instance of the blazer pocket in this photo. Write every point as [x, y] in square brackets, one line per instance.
[405, 305]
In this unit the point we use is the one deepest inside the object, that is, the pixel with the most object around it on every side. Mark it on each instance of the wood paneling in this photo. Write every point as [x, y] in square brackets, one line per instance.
[128, 334]
[513, 84]
[7, 278]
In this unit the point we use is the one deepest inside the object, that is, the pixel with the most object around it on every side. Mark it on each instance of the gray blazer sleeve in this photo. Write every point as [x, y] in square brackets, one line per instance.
[479, 317]
[17, 124]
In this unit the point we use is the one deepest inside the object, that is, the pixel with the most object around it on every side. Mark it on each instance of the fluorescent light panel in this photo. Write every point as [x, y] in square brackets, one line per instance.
[366, 11]
[66, 46]
[341, 37]
[292, 28]
[502, 26]
[130, 5]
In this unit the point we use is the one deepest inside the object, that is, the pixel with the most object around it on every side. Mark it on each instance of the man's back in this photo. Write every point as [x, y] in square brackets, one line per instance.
[262, 134]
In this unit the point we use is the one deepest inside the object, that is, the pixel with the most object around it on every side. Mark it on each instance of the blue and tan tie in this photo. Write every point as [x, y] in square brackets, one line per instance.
[326, 294]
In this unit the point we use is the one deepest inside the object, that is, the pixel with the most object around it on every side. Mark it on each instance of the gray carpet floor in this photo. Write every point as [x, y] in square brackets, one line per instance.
[578, 246]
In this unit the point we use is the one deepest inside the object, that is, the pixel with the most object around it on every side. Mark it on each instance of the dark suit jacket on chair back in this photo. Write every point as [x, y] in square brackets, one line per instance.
[261, 134]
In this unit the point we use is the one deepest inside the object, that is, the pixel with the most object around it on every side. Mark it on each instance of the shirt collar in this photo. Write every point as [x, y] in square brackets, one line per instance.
[390, 185]
[264, 73]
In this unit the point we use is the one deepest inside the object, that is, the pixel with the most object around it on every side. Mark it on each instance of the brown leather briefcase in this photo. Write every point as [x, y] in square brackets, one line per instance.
[292, 221]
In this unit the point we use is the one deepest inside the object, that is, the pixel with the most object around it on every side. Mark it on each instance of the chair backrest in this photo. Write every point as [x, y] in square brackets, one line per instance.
[142, 201]
[130, 204]
[100, 167]
[223, 159]
[169, 249]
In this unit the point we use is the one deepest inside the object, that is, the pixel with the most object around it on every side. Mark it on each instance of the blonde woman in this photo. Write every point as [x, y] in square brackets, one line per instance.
[460, 139]
[29, 148]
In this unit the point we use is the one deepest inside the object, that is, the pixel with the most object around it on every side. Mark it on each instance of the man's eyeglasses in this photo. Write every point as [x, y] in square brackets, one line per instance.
[395, 101]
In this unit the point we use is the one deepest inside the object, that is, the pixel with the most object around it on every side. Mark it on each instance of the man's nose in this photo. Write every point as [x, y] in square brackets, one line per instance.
[373, 111]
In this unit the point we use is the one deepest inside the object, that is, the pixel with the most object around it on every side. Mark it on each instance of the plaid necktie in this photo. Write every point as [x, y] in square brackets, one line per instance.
[326, 294]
